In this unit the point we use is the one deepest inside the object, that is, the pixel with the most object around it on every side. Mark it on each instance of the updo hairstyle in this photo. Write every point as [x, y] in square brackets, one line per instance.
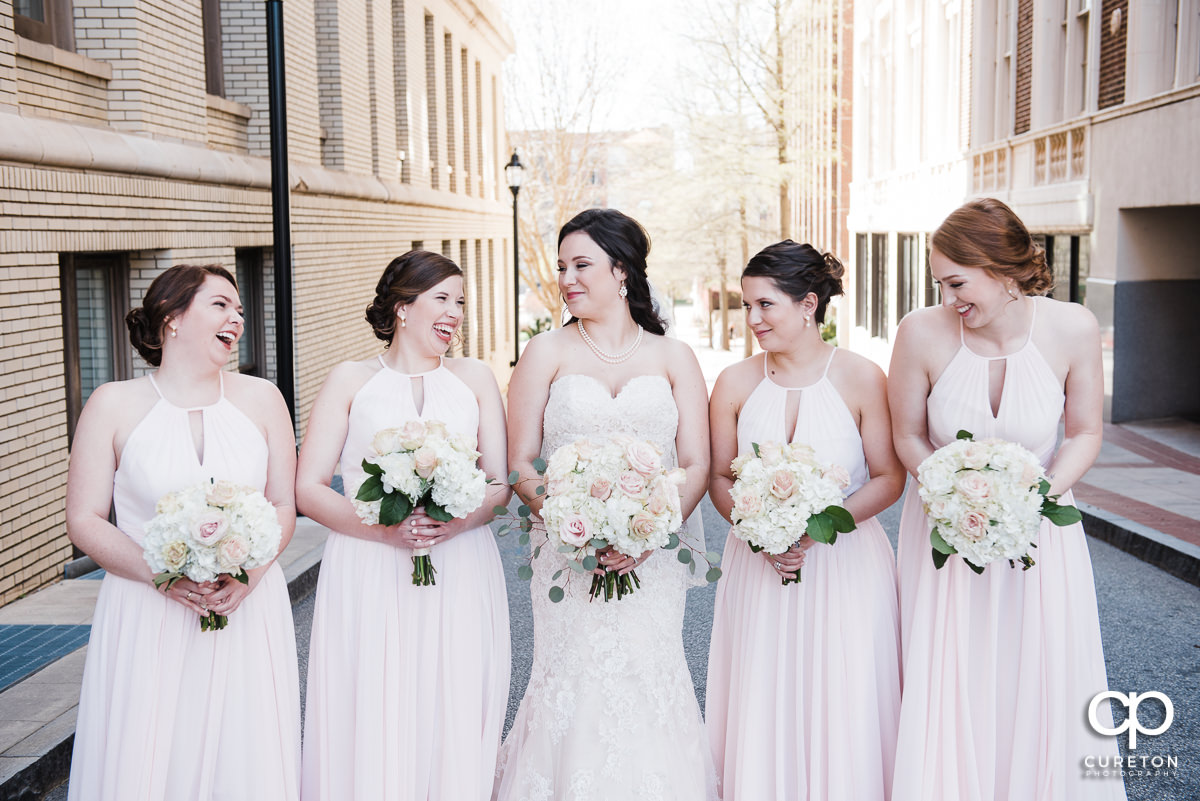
[169, 295]
[985, 233]
[627, 244]
[403, 280]
[797, 270]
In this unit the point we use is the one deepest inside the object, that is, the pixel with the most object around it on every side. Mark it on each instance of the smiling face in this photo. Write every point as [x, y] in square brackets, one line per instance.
[587, 279]
[211, 325]
[773, 317]
[973, 293]
[432, 318]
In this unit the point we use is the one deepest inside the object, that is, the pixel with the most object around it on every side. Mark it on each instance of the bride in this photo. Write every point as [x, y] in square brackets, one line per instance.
[610, 711]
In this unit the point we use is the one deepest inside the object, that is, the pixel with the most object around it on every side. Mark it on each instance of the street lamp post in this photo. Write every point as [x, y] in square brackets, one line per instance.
[513, 172]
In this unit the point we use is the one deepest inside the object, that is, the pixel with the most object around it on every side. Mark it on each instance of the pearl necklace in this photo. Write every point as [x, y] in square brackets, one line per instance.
[611, 358]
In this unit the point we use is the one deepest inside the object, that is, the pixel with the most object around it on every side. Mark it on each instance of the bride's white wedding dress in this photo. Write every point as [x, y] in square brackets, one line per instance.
[610, 711]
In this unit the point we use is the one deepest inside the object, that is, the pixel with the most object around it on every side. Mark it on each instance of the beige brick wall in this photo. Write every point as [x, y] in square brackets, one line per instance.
[139, 71]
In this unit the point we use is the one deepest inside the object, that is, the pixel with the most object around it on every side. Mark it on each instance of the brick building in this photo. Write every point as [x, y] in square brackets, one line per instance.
[134, 136]
[1082, 116]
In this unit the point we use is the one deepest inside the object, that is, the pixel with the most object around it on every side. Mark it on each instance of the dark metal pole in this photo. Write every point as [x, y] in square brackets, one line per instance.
[516, 283]
[285, 377]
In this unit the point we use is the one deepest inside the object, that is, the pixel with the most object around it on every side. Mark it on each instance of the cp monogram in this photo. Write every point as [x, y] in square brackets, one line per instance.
[1131, 724]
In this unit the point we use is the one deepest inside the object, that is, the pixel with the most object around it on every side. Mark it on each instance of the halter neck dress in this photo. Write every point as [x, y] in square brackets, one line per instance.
[166, 710]
[407, 685]
[803, 690]
[999, 668]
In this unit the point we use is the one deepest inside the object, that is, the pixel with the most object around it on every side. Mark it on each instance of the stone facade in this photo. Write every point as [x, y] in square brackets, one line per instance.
[116, 162]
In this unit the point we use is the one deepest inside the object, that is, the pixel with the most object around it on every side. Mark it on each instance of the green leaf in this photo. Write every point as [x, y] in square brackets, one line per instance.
[1043, 487]
[525, 572]
[557, 573]
[964, 434]
[499, 510]
[526, 525]
[754, 445]
[1060, 514]
[712, 575]
[684, 555]
[713, 558]
[564, 548]
[370, 490]
[939, 559]
[590, 562]
[672, 541]
[820, 527]
[843, 521]
[692, 567]
[540, 490]
[242, 576]
[371, 469]
[597, 542]
[978, 570]
[514, 477]
[523, 510]
[576, 566]
[166, 578]
[539, 464]
[537, 552]
[556, 594]
[394, 507]
[523, 539]
[437, 512]
[939, 544]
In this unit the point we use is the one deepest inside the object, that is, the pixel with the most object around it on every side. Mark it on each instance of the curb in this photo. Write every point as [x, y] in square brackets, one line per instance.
[1169, 554]
[51, 746]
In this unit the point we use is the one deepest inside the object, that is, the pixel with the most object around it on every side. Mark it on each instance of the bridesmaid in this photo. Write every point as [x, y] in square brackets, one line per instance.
[407, 685]
[803, 680]
[168, 710]
[999, 668]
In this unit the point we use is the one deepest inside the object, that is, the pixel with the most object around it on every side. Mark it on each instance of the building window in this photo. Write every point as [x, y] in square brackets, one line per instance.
[95, 300]
[432, 142]
[252, 345]
[214, 75]
[861, 284]
[400, 81]
[879, 298]
[932, 293]
[1067, 258]
[468, 325]
[49, 21]
[908, 276]
[451, 123]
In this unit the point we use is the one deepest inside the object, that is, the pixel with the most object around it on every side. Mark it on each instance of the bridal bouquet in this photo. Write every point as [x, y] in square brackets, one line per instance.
[209, 529]
[986, 501]
[612, 492]
[420, 464]
[783, 492]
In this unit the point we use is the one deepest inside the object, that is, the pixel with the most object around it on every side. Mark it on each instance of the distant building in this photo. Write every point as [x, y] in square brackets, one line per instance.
[134, 136]
[1081, 115]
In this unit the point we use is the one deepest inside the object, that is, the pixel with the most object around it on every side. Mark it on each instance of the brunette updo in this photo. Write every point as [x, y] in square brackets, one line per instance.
[797, 270]
[402, 281]
[985, 233]
[169, 295]
[627, 244]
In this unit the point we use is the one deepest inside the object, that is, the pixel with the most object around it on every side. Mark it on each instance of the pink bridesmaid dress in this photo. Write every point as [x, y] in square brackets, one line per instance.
[166, 710]
[803, 688]
[407, 685]
[999, 668]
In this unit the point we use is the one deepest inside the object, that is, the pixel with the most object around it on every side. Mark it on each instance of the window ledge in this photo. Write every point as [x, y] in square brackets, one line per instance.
[50, 54]
[218, 103]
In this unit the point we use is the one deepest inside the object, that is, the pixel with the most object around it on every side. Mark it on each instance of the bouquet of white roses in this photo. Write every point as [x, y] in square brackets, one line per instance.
[611, 492]
[209, 529]
[420, 464]
[782, 492]
[986, 501]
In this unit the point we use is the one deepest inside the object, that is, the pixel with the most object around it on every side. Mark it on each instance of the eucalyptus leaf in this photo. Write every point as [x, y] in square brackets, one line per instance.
[537, 552]
[590, 562]
[713, 558]
[712, 575]
[672, 541]
[499, 510]
[540, 490]
[564, 548]
[578, 568]
[684, 555]
[523, 510]
[939, 544]
[557, 573]
[692, 567]
[556, 594]
[523, 539]
[597, 542]
[539, 464]
[525, 572]
[514, 477]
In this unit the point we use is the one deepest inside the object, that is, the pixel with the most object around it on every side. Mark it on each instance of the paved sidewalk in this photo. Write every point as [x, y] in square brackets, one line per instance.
[37, 713]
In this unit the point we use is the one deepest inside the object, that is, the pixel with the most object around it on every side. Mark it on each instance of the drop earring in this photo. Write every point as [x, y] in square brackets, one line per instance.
[623, 292]
[174, 333]
[403, 321]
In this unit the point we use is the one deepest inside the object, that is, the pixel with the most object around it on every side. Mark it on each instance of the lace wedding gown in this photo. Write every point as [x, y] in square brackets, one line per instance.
[610, 711]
